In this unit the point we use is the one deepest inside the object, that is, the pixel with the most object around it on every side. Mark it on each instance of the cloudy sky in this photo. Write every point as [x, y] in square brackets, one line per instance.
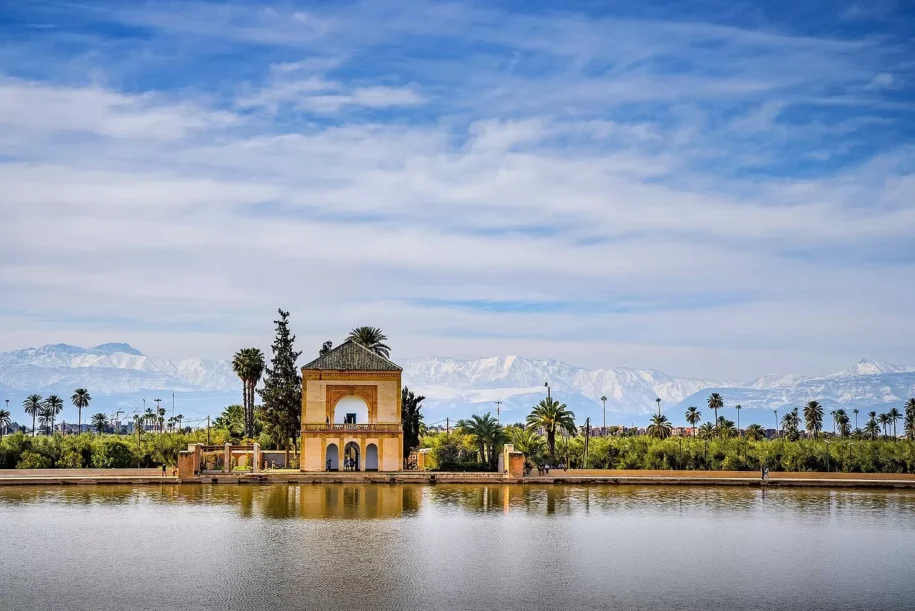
[721, 189]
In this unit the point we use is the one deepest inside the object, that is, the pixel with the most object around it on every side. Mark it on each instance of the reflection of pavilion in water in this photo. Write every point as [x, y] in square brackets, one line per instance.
[351, 501]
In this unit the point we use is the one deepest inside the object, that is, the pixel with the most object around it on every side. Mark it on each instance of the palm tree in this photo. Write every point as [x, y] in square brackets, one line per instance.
[726, 428]
[149, 416]
[32, 406]
[55, 405]
[755, 432]
[659, 428]
[487, 433]
[844, 425]
[855, 412]
[372, 338]
[715, 402]
[837, 417]
[791, 421]
[99, 422]
[894, 415]
[46, 418]
[738, 408]
[603, 400]
[551, 416]
[178, 419]
[707, 431]
[257, 363]
[80, 400]
[908, 425]
[528, 442]
[813, 417]
[248, 364]
[884, 420]
[5, 421]
[693, 417]
[871, 428]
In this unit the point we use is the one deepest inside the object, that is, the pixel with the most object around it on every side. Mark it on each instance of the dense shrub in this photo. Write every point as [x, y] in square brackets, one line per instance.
[90, 450]
[33, 460]
[732, 454]
[112, 454]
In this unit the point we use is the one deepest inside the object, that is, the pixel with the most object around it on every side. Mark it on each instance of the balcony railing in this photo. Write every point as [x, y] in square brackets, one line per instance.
[389, 428]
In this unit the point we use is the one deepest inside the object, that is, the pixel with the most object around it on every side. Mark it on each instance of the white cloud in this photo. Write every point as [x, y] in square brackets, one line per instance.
[586, 175]
[881, 81]
[46, 108]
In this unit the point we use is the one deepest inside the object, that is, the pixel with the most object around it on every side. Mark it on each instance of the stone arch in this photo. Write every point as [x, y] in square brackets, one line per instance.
[352, 455]
[366, 392]
[371, 457]
[353, 405]
[332, 457]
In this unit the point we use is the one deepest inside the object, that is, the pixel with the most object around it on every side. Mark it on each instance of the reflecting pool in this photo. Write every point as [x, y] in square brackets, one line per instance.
[381, 546]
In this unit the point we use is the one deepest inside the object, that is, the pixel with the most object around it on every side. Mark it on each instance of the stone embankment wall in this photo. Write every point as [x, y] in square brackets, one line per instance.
[56, 473]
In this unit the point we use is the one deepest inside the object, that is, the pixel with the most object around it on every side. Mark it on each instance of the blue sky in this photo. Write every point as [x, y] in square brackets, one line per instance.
[708, 188]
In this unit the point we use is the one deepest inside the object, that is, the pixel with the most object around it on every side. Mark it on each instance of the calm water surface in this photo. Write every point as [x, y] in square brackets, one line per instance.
[372, 547]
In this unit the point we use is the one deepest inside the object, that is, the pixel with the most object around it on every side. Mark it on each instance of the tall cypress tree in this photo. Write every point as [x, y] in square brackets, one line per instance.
[282, 392]
[410, 419]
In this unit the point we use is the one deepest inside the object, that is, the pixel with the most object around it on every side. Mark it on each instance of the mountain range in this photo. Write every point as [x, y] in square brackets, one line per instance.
[120, 377]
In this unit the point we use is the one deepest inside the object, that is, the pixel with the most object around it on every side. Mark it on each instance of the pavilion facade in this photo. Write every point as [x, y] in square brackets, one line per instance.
[339, 437]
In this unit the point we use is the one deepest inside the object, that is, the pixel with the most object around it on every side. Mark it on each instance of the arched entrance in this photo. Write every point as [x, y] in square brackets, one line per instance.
[332, 457]
[351, 410]
[371, 457]
[351, 458]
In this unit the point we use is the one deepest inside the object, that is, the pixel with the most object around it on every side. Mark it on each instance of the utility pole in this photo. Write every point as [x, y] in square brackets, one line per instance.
[208, 430]
[498, 412]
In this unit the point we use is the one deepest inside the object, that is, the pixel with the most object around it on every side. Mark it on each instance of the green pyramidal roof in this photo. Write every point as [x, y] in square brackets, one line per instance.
[350, 356]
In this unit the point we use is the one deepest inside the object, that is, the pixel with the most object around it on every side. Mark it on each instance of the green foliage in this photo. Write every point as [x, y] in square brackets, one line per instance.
[372, 338]
[282, 392]
[248, 365]
[487, 434]
[33, 460]
[553, 417]
[742, 454]
[112, 454]
[452, 452]
[232, 421]
[411, 419]
[86, 450]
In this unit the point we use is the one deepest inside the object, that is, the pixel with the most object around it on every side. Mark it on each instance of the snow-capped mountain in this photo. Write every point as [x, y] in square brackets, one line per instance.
[109, 369]
[450, 384]
[120, 377]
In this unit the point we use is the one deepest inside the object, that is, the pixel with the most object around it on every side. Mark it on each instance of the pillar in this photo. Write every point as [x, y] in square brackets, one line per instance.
[339, 455]
[227, 459]
[362, 454]
[256, 467]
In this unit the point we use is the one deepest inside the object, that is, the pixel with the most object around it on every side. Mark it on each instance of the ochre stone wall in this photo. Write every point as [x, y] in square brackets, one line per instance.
[320, 393]
[383, 387]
